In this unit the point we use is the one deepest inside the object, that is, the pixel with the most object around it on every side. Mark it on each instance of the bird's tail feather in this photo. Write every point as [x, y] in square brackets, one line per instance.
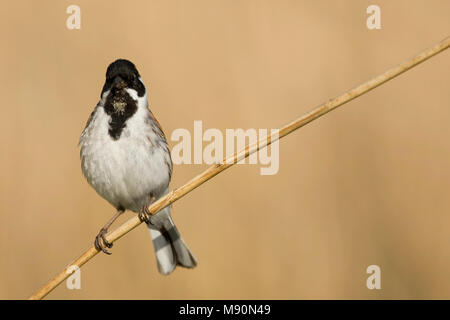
[170, 249]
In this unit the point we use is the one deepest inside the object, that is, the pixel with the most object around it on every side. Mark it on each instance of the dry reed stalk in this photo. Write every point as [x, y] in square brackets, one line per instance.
[249, 149]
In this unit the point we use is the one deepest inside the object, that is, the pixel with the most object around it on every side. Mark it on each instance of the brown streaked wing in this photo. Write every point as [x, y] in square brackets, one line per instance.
[163, 137]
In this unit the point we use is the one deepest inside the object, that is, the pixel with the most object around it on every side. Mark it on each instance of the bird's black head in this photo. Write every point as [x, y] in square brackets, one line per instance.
[119, 104]
[122, 74]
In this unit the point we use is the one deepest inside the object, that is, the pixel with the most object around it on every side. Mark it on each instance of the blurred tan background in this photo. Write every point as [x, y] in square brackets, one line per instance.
[366, 184]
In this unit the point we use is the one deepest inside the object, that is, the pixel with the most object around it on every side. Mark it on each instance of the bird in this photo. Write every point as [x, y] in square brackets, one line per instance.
[126, 159]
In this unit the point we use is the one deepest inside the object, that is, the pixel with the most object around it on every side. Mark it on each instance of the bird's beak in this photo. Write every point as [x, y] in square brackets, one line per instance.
[119, 83]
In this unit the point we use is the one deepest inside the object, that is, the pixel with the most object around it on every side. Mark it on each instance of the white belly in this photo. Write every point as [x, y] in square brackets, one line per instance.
[125, 171]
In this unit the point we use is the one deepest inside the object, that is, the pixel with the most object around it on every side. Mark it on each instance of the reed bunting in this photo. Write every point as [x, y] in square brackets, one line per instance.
[126, 159]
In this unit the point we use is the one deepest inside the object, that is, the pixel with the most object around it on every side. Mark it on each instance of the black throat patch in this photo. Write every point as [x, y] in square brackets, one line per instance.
[120, 107]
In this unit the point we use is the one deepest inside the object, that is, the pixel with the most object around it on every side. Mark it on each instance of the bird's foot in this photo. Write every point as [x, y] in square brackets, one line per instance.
[145, 215]
[101, 243]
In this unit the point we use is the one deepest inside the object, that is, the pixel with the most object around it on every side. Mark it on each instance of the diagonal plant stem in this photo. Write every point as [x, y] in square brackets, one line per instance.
[249, 149]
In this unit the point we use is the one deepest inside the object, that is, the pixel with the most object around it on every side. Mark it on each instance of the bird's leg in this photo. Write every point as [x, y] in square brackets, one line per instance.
[101, 235]
[145, 214]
